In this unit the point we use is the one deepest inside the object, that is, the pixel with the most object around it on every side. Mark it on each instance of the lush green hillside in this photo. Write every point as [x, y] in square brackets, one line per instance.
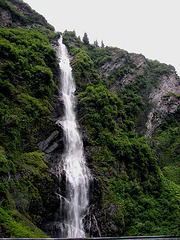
[28, 71]
[27, 63]
[166, 144]
[136, 189]
[137, 199]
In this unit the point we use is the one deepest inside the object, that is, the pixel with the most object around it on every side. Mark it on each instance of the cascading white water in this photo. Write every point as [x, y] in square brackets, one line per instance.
[73, 167]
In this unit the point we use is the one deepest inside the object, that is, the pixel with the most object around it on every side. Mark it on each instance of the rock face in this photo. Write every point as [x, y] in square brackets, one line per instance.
[53, 146]
[161, 99]
[16, 13]
[5, 17]
[136, 65]
[51, 143]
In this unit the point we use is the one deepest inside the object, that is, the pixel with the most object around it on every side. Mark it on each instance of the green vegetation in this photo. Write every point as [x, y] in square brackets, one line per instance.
[15, 225]
[132, 176]
[27, 18]
[166, 143]
[146, 200]
[156, 70]
[139, 178]
[27, 88]
[100, 56]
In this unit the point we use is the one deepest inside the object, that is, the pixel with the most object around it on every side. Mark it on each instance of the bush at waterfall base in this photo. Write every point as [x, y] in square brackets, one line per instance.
[14, 224]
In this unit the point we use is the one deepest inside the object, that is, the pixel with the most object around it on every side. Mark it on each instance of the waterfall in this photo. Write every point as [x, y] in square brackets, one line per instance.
[73, 169]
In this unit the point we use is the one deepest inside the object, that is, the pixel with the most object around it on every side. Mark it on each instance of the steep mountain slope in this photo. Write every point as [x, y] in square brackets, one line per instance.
[159, 85]
[15, 13]
[28, 72]
[118, 92]
[128, 110]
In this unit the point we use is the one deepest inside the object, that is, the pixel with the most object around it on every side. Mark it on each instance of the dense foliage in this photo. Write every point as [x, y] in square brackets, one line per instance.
[166, 143]
[27, 63]
[137, 188]
[145, 201]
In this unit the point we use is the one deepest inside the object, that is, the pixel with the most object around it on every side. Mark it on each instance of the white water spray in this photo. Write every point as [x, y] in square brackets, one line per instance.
[75, 172]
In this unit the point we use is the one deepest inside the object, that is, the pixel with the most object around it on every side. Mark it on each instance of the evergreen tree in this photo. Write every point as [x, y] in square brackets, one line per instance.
[96, 43]
[102, 44]
[86, 39]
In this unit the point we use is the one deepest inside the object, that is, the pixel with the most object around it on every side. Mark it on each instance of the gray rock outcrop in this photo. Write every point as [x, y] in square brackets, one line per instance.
[161, 98]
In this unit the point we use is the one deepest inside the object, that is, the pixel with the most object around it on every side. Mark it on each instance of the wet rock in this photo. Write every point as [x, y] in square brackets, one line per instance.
[51, 143]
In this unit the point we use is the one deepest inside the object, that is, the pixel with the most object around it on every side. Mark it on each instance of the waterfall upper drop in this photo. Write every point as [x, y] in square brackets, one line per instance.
[72, 169]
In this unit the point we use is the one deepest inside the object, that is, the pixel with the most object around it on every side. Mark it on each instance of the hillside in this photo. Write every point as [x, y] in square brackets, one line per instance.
[28, 73]
[128, 105]
[128, 111]
[16, 13]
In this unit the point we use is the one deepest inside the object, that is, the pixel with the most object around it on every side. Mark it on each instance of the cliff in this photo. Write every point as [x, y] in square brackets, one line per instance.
[28, 90]
[128, 111]
[160, 90]
[127, 107]
[15, 13]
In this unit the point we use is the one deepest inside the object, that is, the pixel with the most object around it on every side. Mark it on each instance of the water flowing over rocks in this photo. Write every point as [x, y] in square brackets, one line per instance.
[99, 218]
[69, 165]
[117, 187]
